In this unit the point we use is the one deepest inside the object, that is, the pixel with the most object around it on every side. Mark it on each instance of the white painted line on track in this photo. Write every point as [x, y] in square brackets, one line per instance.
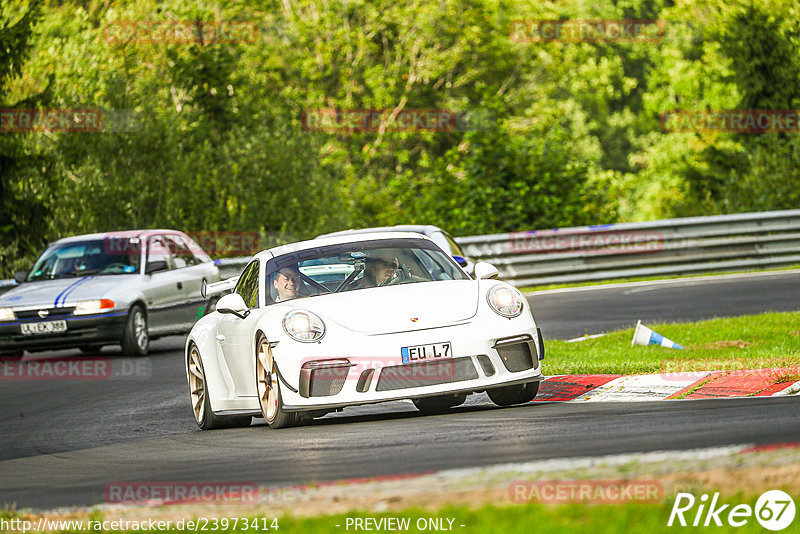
[691, 280]
[559, 464]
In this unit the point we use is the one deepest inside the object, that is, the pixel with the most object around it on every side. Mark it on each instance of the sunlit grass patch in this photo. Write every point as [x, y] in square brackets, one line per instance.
[765, 341]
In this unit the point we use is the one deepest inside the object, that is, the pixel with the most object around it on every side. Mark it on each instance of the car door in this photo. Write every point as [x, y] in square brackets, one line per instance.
[162, 288]
[235, 335]
[190, 305]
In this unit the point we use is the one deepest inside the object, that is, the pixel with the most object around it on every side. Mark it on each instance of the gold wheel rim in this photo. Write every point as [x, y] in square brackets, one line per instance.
[267, 381]
[197, 385]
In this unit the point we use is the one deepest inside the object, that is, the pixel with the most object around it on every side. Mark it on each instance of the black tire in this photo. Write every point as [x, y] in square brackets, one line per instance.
[205, 418]
[268, 388]
[516, 394]
[439, 403]
[91, 349]
[136, 340]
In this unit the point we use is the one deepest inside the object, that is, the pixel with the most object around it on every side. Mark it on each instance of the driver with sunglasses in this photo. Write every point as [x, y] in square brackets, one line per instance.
[380, 269]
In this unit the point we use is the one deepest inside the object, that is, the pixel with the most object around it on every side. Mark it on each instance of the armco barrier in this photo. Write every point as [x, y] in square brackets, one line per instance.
[746, 241]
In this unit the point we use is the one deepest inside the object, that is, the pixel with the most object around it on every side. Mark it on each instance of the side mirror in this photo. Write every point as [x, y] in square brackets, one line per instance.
[485, 270]
[20, 276]
[233, 303]
[155, 266]
[461, 260]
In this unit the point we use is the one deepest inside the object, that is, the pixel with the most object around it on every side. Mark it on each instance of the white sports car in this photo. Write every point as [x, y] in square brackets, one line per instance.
[316, 326]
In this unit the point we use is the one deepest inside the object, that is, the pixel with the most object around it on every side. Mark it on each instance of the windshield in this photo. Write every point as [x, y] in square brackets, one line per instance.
[85, 258]
[356, 266]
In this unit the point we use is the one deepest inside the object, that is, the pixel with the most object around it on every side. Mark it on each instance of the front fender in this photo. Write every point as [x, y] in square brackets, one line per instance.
[203, 335]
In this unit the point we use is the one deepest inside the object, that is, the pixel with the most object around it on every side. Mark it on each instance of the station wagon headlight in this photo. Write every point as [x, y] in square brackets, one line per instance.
[93, 306]
[505, 301]
[303, 326]
[6, 314]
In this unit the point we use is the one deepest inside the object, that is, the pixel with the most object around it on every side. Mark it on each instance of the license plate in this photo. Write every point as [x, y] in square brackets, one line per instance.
[50, 327]
[423, 353]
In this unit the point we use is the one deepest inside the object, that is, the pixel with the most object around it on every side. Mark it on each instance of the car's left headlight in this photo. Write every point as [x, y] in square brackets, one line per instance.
[7, 314]
[303, 326]
[505, 301]
[93, 306]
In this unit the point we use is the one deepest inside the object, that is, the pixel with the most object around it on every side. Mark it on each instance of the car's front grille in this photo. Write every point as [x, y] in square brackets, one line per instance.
[426, 374]
[51, 312]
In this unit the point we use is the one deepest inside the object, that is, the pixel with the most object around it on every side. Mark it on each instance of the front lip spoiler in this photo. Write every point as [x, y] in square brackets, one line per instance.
[333, 406]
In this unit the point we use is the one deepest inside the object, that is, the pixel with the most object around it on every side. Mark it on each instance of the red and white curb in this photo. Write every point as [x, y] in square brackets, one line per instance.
[664, 386]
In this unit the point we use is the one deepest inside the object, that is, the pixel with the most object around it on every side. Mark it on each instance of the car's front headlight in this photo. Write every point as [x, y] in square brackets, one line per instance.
[303, 326]
[93, 306]
[6, 314]
[505, 301]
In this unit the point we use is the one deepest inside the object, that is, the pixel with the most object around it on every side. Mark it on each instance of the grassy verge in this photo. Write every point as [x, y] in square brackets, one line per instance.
[487, 519]
[528, 289]
[750, 342]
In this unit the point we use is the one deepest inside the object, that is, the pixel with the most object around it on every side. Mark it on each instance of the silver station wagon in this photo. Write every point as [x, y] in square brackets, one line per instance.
[123, 288]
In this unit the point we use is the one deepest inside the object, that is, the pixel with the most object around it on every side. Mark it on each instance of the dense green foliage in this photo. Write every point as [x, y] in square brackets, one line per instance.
[208, 135]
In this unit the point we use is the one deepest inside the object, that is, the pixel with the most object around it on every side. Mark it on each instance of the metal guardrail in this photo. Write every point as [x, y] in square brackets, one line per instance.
[746, 241]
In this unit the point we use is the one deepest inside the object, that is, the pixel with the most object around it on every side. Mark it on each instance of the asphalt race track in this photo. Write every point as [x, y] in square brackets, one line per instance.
[63, 441]
[567, 313]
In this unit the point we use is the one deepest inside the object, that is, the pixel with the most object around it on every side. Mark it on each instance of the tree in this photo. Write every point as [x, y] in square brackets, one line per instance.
[23, 169]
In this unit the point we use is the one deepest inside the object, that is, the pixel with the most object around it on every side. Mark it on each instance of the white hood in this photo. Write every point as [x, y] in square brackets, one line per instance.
[390, 309]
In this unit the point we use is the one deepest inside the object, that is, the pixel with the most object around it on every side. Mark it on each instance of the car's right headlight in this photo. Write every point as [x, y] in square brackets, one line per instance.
[7, 314]
[303, 326]
[505, 301]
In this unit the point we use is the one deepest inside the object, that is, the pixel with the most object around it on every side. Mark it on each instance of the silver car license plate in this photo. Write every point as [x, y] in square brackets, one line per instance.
[49, 327]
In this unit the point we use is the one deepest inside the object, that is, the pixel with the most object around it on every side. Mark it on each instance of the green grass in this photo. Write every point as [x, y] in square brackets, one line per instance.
[750, 342]
[544, 287]
[519, 519]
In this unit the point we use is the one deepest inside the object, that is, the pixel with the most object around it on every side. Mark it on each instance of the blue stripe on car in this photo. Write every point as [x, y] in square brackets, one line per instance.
[55, 304]
[64, 294]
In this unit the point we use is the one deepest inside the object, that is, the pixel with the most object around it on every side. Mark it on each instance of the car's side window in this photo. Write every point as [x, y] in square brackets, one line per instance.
[247, 286]
[455, 247]
[197, 252]
[181, 253]
[158, 251]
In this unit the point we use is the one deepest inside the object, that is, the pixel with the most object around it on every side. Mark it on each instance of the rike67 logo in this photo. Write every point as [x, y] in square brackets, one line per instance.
[774, 510]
